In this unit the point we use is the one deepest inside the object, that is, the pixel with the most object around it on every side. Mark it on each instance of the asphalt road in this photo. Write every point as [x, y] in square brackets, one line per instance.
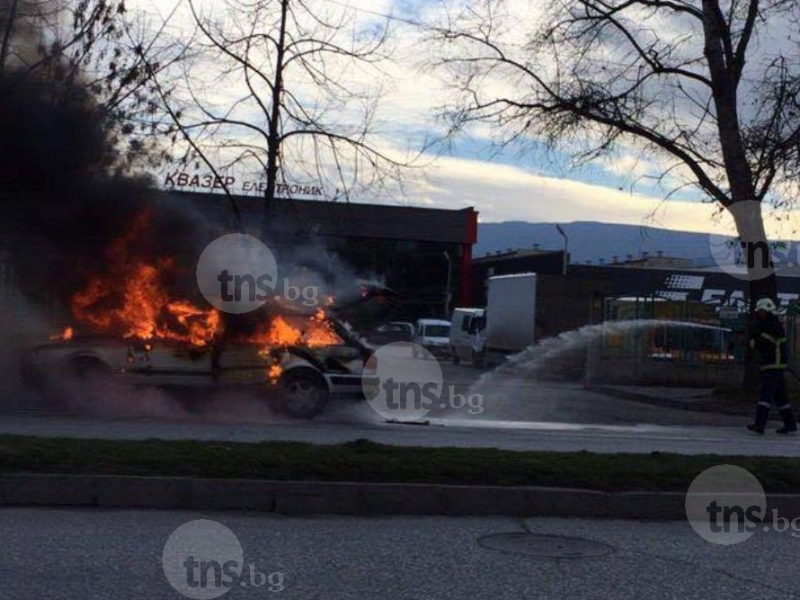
[511, 414]
[92, 554]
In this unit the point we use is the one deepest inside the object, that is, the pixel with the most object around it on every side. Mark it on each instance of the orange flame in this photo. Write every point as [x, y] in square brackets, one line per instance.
[320, 332]
[64, 336]
[274, 373]
[131, 299]
[313, 332]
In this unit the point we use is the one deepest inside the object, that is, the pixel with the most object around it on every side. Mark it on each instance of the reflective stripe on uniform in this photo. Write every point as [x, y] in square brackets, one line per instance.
[777, 342]
[764, 404]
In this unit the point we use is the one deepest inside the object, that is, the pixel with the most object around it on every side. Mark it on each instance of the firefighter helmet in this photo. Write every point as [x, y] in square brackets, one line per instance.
[767, 305]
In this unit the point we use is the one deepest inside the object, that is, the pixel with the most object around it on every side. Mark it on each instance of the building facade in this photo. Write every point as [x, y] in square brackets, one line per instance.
[424, 255]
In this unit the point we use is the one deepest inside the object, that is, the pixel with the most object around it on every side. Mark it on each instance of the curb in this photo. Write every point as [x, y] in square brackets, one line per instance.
[296, 498]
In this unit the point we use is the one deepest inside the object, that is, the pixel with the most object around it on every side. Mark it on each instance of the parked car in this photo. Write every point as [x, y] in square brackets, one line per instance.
[388, 333]
[301, 379]
[434, 336]
[466, 335]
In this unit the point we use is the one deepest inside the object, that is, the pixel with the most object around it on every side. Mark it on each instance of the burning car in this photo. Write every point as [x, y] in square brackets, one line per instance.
[140, 326]
[298, 362]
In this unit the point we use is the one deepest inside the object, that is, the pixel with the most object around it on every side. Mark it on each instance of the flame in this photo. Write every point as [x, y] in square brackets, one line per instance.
[274, 373]
[320, 332]
[131, 299]
[314, 332]
[64, 336]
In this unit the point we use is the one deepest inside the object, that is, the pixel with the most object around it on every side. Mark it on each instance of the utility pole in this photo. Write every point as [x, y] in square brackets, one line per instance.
[566, 249]
[447, 287]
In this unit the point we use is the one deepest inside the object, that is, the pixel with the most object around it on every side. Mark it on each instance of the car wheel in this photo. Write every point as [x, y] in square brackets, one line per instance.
[370, 393]
[304, 394]
[93, 384]
[453, 356]
[90, 370]
[478, 359]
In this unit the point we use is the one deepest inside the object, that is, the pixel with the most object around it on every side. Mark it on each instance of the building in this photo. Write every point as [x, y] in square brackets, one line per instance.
[422, 254]
[587, 294]
[639, 290]
[650, 261]
[543, 262]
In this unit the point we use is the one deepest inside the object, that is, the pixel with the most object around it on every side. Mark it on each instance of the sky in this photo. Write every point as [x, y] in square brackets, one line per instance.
[527, 183]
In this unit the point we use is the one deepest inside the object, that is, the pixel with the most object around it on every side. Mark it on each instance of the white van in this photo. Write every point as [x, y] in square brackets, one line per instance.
[466, 335]
[434, 336]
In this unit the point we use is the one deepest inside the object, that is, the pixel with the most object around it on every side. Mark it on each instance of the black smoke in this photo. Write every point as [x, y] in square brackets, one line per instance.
[64, 194]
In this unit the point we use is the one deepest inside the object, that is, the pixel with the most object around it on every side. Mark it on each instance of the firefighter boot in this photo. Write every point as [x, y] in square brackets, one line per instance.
[789, 420]
[762, 413]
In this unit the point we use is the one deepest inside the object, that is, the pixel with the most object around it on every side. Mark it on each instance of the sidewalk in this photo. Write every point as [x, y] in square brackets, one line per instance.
[694, 399]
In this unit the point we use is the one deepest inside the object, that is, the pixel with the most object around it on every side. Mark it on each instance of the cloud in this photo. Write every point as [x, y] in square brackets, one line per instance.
[406, 115]
[506, 193]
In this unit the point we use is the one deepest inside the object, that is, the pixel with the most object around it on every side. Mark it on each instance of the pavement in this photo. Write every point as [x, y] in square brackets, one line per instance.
[689, 399]
[57, 554]
[516, 435]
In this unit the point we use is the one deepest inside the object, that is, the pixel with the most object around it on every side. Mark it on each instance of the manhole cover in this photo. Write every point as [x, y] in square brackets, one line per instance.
[544, 546]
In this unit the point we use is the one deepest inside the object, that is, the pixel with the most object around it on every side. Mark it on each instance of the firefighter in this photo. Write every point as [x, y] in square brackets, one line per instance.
[769, 341]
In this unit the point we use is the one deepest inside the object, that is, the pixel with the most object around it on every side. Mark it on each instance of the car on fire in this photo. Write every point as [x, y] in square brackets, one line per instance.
[301, 376]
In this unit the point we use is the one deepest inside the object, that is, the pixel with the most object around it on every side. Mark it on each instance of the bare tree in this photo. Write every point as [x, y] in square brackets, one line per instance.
[98, 45]
[291, 91]
[711, 88]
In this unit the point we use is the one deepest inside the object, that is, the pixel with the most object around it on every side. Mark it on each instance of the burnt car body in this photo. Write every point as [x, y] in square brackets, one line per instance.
[300, 379]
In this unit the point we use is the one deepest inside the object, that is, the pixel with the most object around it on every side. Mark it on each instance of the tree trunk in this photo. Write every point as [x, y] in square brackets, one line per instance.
[12, 17]
[725, 72]
[274, 140]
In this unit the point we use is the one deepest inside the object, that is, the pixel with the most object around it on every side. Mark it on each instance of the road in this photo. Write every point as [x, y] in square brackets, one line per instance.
[517, 416]
[52, 554]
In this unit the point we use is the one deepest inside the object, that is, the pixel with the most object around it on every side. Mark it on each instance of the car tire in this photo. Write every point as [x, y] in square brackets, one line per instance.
[91, 383]
[454, 358]
[371, 394]
[478, 359]
[303, 393]
[88, 369]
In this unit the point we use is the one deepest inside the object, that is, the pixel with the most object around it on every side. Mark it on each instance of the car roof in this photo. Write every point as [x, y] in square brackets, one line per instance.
[432, 322]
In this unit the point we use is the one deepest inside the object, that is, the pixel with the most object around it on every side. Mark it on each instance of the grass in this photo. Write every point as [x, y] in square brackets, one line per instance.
[363, 460]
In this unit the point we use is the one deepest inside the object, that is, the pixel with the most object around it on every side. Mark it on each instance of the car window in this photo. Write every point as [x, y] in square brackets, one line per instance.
[478, 323]
[466, 323]
[437, 331]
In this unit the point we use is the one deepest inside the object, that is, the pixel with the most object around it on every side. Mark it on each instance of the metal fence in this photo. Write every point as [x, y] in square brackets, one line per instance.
[678, 331]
